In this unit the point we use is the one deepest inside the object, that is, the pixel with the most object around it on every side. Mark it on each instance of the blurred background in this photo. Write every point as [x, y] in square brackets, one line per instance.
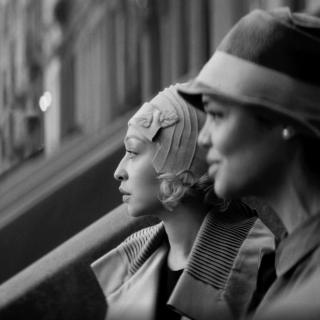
[71, 74]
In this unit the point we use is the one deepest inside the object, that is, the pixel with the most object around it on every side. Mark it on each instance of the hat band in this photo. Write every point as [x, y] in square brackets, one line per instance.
[249, 82]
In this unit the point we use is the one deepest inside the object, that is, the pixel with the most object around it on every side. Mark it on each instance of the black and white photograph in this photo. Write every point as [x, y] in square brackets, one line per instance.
[160, 159]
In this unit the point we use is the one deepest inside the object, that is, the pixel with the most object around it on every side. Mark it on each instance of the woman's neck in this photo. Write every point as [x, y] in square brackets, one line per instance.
[296, 199]
[182, 225]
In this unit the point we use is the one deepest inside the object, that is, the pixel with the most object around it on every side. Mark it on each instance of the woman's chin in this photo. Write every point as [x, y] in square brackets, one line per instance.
[222, 191]
[144, 208]
[229, 191]
[219, 190]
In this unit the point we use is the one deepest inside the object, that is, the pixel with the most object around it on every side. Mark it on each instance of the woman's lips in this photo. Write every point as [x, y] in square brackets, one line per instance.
[213, 168]
[124, 192]
[125, 195]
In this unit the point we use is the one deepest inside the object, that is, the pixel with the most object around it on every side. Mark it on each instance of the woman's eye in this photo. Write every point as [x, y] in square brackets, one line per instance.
[216, 115]
[131, 153]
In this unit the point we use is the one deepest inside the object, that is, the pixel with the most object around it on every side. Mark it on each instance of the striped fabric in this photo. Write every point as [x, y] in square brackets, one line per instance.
[215, 250]
[140, 245]
[213, 254]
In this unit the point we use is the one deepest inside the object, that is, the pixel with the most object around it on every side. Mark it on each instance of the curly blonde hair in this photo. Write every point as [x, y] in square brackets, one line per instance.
[178, 188]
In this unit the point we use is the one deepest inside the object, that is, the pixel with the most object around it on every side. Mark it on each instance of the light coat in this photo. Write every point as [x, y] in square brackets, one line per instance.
[217, 283]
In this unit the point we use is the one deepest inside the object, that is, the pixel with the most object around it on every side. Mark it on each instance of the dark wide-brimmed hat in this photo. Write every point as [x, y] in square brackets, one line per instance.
[270, 62]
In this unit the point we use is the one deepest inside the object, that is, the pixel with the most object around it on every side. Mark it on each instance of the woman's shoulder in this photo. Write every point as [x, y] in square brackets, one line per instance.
[141, 244]
[118, 265]
[131, 247]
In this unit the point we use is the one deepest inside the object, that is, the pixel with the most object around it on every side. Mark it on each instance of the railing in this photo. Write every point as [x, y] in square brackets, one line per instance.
[61, 284]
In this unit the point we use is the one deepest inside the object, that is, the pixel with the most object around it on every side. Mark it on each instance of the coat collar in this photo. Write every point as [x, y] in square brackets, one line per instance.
[220, 276]
[297, 245]
[219, 264]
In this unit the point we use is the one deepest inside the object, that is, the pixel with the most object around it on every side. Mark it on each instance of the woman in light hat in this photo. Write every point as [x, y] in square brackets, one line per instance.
[201, 261]
[261, 93]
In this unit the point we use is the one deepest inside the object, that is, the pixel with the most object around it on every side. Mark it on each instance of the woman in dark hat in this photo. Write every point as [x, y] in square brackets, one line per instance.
[199, 262]
[261, 93]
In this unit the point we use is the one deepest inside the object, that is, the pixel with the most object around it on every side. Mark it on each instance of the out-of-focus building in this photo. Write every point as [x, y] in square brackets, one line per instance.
[108, 56]
[71, 74]
[21, 81]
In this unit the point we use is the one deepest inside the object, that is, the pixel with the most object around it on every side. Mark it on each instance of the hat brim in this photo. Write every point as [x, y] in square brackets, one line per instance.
[192, 92]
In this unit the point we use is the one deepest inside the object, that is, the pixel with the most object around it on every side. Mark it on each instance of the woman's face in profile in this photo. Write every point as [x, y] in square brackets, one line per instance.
[244, 156]
[139, 184]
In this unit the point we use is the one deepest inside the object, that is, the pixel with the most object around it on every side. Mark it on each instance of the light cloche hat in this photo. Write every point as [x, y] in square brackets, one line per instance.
[173, 125]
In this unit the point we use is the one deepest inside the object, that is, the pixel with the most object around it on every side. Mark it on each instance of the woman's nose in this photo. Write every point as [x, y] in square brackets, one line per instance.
[120, 173]
[204, 139]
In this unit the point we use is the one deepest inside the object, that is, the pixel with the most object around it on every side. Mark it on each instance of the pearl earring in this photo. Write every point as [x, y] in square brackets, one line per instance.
[286, 133]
